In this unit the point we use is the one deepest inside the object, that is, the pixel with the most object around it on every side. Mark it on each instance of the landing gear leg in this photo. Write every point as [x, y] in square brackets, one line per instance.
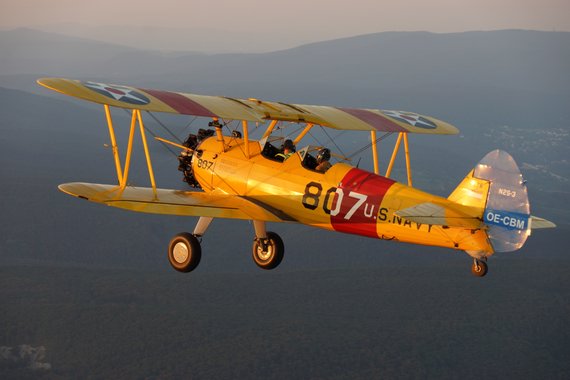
[268, 248]
[184, 250]
[479, 267]
[202, 226]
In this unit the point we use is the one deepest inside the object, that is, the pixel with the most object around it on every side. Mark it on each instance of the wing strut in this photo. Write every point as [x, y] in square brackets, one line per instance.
[407, 154]
[394, 154]
[114, 143]
[123, 173]
[146, 152]
[374, 151]
[303, 133]
[270, 129]
[245, 138]
[216, 124]
[129, 150]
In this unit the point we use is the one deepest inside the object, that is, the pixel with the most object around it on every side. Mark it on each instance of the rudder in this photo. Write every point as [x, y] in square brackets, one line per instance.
[497, 187]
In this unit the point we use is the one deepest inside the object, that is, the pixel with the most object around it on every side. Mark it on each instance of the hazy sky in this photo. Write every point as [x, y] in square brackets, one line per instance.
[293, 21]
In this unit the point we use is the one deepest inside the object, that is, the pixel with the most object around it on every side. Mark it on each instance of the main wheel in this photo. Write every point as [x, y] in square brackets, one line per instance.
[184, 252]
[268, 255]
[479, 268]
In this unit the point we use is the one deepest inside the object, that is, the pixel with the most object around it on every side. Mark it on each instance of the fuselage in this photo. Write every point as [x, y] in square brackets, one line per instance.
[344, 199]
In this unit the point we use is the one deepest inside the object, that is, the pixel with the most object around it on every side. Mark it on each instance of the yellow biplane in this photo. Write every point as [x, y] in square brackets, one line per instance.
[258, 180]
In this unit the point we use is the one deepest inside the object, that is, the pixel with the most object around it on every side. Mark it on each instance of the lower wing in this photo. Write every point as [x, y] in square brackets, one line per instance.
[176, 202]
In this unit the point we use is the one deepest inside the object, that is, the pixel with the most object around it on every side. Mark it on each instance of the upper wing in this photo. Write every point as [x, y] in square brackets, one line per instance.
[175, 202]
[248, 109]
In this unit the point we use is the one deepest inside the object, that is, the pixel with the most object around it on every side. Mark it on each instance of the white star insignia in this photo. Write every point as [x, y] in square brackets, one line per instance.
[119, 93]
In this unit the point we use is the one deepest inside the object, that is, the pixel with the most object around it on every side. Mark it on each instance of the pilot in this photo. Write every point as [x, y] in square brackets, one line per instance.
[288, 150]
[323, 158]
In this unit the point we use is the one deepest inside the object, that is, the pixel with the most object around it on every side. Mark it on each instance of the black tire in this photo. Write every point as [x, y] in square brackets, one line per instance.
[273, 256]
[184, 252]
[479, 268]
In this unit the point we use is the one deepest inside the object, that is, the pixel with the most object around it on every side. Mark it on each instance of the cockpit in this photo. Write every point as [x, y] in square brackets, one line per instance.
[315, 158]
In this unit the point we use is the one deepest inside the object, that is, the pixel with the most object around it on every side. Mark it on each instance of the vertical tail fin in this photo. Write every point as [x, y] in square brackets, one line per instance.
[496, 186]
[472, 191]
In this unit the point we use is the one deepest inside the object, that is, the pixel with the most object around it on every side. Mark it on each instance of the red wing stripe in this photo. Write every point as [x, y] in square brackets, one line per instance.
[381, 123]
[181, 103]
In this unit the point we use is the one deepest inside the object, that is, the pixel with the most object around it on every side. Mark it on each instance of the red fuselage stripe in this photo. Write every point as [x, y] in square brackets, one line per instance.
[360, 195]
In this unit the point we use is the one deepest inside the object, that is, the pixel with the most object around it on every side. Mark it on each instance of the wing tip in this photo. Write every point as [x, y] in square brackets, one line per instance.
[43, 81]
[51, 83]
[444, 128]
[452, 130]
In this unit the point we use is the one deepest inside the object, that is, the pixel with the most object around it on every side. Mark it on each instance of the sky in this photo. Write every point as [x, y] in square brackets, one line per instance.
[264, 24]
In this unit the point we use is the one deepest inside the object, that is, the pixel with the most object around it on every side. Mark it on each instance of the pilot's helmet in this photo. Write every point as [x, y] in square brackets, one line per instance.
[323, 155]
[288, 144]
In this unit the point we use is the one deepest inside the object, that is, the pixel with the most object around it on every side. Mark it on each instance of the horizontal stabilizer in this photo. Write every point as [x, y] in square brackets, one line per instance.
[176, 202]
[536, 223]
[452, 215]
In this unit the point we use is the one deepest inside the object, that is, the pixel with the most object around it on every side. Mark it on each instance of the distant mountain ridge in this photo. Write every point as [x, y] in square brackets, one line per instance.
[214, 39]
[510, 77]
[396, 59]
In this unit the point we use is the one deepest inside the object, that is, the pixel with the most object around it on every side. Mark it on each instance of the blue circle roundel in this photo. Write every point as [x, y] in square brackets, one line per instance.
[411, 118]
[120, 93]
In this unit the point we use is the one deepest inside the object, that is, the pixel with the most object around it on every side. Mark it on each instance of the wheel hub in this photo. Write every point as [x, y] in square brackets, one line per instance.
[180, 252]
[264, 254]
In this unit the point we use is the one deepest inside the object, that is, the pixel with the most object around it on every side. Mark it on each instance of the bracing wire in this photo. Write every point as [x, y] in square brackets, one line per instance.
[189, 124]
[367, 146]
[164, 126]
[165, 145]
[332, 140]
[154, 135]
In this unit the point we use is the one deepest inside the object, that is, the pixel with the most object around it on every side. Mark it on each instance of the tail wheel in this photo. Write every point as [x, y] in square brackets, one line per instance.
[268, 253]
[479, 268]
[184, 252]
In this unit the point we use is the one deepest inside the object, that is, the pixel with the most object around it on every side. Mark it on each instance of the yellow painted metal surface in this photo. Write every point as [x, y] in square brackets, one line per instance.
[374, 152]
[114, 146]
[146, 151]
[471, 192]
[394, 154]
[283, 186]
[408, 165]
[264, 189]
[129, 149]
[170, 202]
[239, 182]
